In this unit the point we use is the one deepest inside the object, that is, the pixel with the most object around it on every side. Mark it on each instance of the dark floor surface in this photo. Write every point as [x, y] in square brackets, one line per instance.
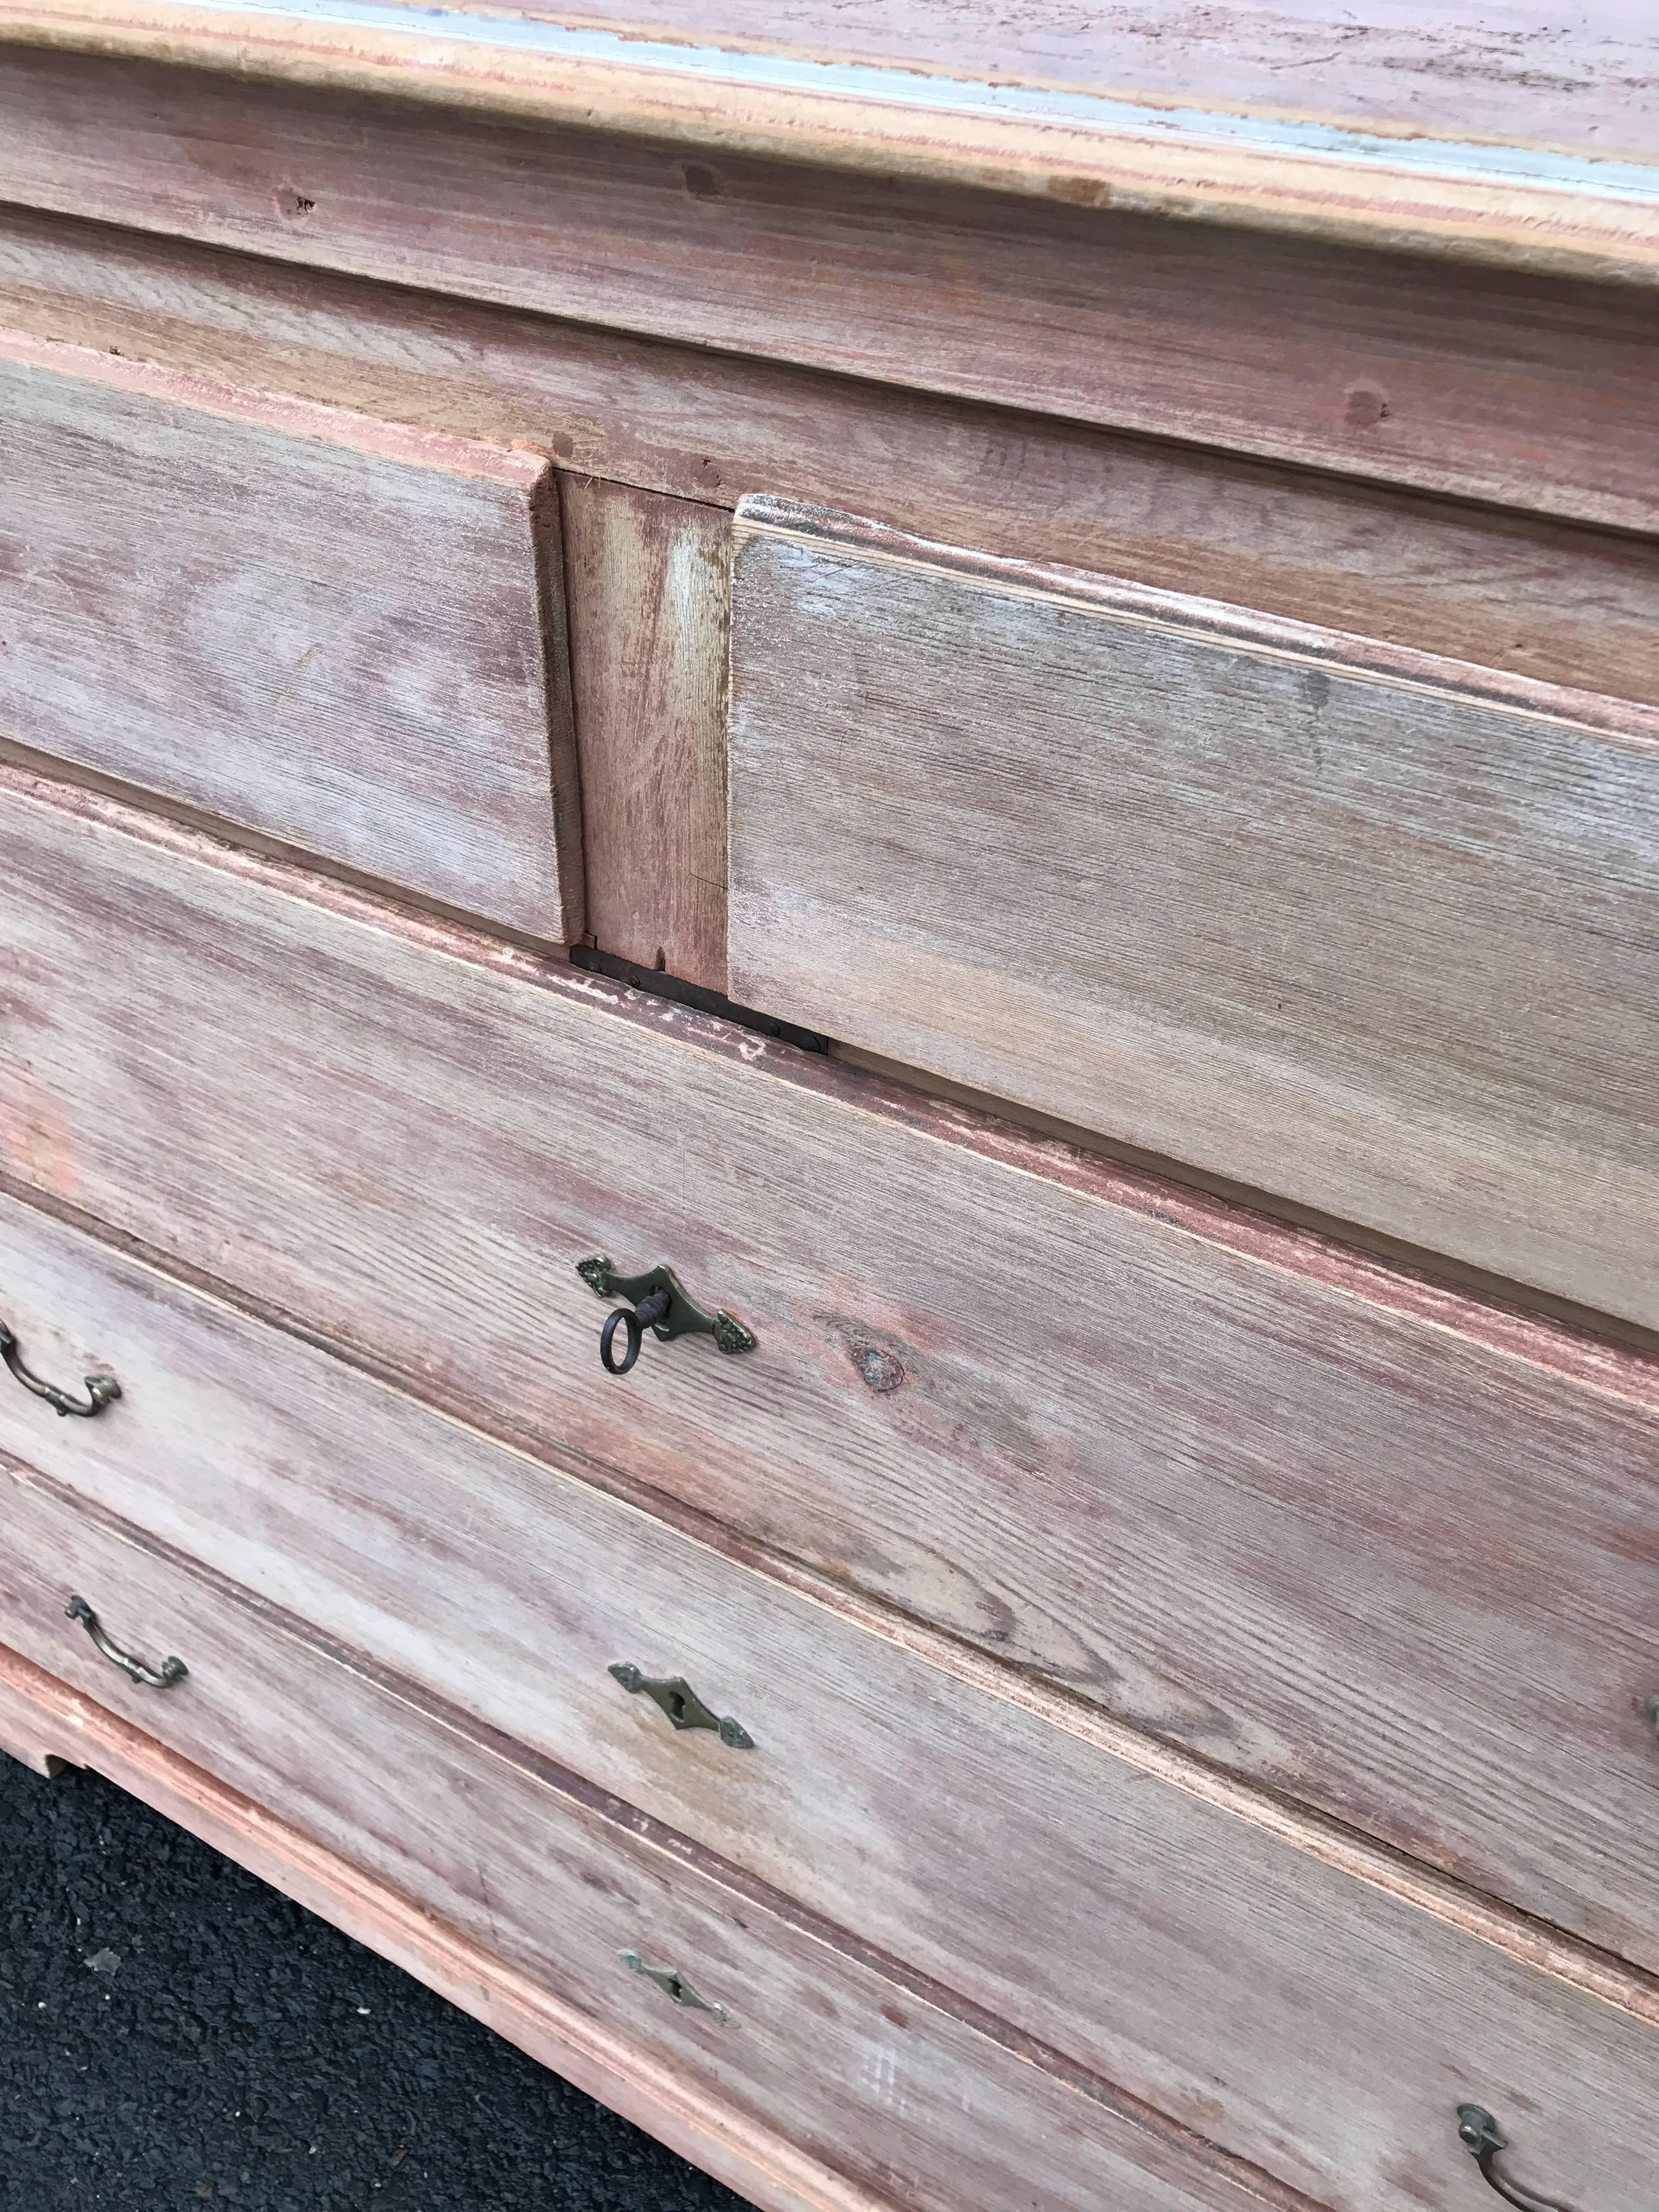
[174, 2034]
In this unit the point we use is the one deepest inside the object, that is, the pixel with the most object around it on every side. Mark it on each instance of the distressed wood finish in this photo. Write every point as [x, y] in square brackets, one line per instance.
[877, 1790]
[752, 2160]
[28, 1733]
[902, 2102]
[1308, 2030]
[1452, 68]
[342, 633]
[1529, 390]
[646, 582]
[1376, 933]
[1217, 1476]
[1563, 603]
[1319, 170]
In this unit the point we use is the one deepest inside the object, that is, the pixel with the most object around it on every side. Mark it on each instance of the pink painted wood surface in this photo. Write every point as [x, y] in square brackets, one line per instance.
[646, 583]
[877, 1789]
[685, 2114]
[879, 2081]
[29, 1734]
[1292, 2016]
[1532, 391]
[1218, 1478]
[1372, 930]
[343, 633]
[1563, 604]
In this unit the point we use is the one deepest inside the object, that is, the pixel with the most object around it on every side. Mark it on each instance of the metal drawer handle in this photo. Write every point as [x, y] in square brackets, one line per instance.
[676, 1698]
[170, 1670]
[102, 1389]
[670, 1980]
[661, 1305]
[1478, 2132]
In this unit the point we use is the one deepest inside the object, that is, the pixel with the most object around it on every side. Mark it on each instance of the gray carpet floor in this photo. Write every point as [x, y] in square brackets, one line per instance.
[174, 2034]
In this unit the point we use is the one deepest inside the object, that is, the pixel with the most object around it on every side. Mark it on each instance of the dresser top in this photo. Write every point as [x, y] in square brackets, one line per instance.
[1518, 131]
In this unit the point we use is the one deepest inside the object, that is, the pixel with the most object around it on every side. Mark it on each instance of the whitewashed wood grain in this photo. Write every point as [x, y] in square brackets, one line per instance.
[1488, 383]
[878, 2082]
[341, 633]
[1310, 1517]
[1282, 2011]
[1373, 931]
[685, 2114]
[1510, 590]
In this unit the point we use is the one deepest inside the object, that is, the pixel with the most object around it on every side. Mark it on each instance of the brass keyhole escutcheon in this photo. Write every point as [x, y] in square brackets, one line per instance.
[672, 1984]
[674, 1698]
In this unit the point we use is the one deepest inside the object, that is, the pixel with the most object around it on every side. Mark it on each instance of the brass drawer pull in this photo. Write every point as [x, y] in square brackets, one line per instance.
[170, 1670]
[660, 1304]
[102, 1389]
[670, 1980]
[676, 1698]
[1478, 2132]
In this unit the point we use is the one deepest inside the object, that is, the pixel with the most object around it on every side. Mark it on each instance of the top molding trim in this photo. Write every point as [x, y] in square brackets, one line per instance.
[1560, 212]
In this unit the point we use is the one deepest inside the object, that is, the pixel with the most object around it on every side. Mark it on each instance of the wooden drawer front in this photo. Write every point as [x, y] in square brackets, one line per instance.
[1371, 930]
[1376, 1545]
[886, 2088]
[344, 635]
[1297, 2013]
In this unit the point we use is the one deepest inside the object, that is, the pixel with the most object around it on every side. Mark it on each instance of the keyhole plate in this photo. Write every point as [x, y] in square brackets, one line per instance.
[674, 1698]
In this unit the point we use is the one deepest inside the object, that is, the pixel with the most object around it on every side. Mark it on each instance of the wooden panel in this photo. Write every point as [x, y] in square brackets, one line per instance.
[1316, 170]
[1566, 605]
[891, 1797]
[646, 581]
[1312, 1518]
[1280, 2004]
[342, 633]
[1371, 931]
[1494, 385]
[1460, 68]
[687, 2117]
[878, 2082]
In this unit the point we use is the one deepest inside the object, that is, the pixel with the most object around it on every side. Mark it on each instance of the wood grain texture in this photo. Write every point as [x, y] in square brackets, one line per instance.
[1290, 2012]
[877, 2080]
[1520, 71]
[748, 2158]
[892, 1798]
[1217, 1477]
[646, 583]
[1566, 605]
[1527, 391]
[28, 1733]
[1330, 175]
[1373, 931]
[339, 632]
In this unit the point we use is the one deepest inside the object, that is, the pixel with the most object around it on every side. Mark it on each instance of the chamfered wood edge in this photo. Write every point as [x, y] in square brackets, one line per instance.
[515, 468]
[1563, 214]
[37, 1710]
[766, 516]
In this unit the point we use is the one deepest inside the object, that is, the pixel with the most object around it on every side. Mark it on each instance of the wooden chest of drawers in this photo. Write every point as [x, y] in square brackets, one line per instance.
[830, 1065]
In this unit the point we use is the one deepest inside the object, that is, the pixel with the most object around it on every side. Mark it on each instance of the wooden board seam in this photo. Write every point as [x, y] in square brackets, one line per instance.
[1345, 1850]
[722, 2139]
[1586, 1361]
[275, 410]
[650, 1832]
[1219, 166]
[1210, 621]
